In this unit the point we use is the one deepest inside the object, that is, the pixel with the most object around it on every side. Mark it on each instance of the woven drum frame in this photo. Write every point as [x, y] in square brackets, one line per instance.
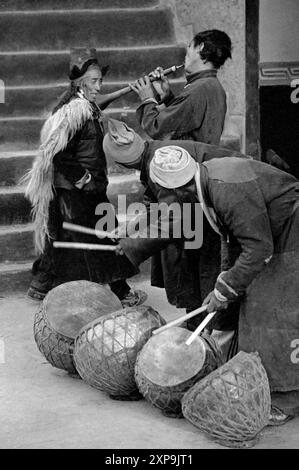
[57, 348]
[168, 399]
[110, 367]
[232, 404]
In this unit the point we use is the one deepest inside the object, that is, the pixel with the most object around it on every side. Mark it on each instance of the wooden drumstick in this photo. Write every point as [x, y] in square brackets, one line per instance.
[200, 328]
[84, 246]
[87, 230]
[181, 319]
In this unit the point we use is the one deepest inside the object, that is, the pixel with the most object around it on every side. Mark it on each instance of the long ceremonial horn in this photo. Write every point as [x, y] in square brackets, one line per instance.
[104, 100]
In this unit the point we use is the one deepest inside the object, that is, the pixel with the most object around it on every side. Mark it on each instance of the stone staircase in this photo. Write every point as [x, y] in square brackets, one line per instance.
[132, 36]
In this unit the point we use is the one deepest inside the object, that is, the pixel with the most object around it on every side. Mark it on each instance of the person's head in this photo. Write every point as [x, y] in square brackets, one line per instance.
[172, 167]
[208, 50]
[175, 171]
[90, 83]
[85, 75]
[85, 72]
[123, 145]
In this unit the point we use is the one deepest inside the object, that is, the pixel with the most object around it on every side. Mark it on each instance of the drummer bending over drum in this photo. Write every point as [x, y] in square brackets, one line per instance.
[187, 275]
[256, 208]
[67, 182]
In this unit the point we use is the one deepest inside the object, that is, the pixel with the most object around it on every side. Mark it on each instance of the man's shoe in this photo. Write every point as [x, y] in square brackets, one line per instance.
[134, 298]
[36, 294]
[278, 417]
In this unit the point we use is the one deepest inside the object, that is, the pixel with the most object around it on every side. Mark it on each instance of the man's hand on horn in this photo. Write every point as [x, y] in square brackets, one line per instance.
[160, 84]
[143, 87]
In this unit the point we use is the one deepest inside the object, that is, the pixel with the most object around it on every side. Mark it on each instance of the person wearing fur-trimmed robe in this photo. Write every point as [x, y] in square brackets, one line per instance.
[67, 182]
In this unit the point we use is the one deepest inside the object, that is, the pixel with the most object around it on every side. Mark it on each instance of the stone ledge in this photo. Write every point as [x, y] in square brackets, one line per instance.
[13, 5]
[57, 30]
[16, 209]
[126, 63]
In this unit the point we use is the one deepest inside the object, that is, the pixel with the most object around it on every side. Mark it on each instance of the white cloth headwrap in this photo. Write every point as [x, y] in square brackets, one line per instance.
[172, 167]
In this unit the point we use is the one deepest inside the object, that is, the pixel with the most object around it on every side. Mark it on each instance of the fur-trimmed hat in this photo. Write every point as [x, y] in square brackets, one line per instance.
[81, 59]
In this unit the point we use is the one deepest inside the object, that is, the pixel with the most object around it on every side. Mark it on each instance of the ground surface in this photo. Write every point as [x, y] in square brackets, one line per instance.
[42, 407]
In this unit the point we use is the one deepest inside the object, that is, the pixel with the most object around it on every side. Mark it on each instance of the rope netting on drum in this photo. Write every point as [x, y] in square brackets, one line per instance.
[57, 349]
[167, 400]
[106, 351]
[233, 402]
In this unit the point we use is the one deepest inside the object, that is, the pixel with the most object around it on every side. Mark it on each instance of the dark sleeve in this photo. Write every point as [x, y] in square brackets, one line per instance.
[66, 163]
[243, 212]
[156, 230]
[178, 117]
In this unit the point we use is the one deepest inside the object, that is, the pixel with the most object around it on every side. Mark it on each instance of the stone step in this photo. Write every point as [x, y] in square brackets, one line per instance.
[14, 164]
[16, 209]
[37, 101]
[13, 5]
[22, 133]
[52, 67]
[14, 277]
[61, 29]
[16, 243]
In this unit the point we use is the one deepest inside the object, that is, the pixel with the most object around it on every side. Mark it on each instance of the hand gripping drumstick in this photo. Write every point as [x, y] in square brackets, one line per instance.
[200, 328]
[84, 246]
[88, 230]
[181, 319]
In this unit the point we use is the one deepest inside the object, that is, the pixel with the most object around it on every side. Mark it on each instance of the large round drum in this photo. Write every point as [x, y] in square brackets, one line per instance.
[106, 349]
[64, 311]
[233, 403]
[166, 367]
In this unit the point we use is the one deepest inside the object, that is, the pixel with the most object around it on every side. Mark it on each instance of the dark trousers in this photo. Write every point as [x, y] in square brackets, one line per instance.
[56, 266]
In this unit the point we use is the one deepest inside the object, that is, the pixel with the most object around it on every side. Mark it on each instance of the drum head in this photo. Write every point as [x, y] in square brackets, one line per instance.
[167, 361]
[72, 305]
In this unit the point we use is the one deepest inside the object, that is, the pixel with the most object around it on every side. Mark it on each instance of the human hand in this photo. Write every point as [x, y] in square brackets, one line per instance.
[119, 232]
[160, 83]
[214, 304]
[143, 88]
[90, 187]
[119, 251]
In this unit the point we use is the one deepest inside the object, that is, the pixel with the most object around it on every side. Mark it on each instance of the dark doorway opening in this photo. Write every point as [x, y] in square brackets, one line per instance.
[280, 124]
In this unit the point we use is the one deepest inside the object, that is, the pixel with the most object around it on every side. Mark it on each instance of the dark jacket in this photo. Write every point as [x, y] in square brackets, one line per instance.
[253, 202]
[83, 152]
[258, 206]
[197, 113]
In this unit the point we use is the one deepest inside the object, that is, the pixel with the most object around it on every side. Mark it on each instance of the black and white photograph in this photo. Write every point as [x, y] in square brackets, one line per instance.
[149, 227]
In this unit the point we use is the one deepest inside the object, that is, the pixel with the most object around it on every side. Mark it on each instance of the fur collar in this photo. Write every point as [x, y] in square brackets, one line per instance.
[55, 135]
